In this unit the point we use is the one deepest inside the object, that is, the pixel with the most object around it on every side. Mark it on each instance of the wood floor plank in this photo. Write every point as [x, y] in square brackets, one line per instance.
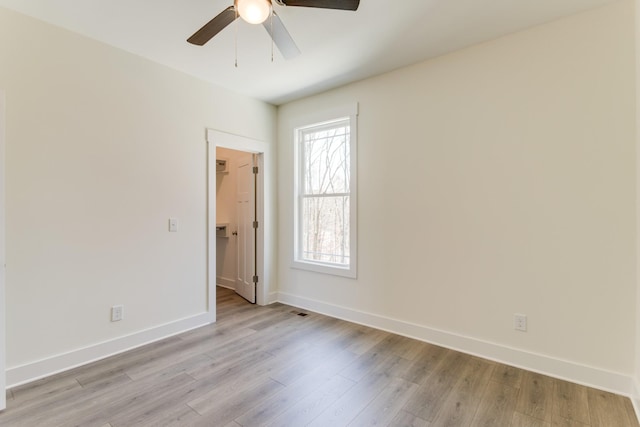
[405, 419]
[497, 406]
[424, 363]
[384, 408]
[410, 349]
[231, 376]
[130, 402]
[369, 339]
[228, 366]
[463, 401]
[53, 409]
[521, 420]
[536, 396]
[570, 402]
[311, 406]
[305, 385]
[558, 421]
[269, 366]
[45, 387]
[225, 408]
[342, 336]
[607, 409]
[427, 401]
[118, 364]
[631, 413]
[349, 405]
[366, 363]
[166, 416]
[154, 407]
[183, 362]
[508, 375]
[288, 365]
[303, 362]
[235, 378]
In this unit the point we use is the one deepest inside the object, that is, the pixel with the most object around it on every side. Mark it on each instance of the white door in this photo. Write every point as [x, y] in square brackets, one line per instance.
[246, 211]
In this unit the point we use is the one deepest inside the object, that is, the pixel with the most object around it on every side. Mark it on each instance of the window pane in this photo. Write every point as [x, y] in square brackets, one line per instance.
[325, 229]
[326, 159]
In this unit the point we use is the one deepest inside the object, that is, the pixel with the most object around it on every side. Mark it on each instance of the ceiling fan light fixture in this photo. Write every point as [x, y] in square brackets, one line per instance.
[254, 11]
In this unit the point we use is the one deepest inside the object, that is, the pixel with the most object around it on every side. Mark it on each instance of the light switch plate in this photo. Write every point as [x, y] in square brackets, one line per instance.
[117, 313]
[173, 225]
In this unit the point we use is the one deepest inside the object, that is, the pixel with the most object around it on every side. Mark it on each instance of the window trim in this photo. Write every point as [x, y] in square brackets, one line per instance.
[345, 112]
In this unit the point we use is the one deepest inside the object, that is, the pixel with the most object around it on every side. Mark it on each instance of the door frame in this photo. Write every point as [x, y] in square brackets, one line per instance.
[3, 306]
[264, 259]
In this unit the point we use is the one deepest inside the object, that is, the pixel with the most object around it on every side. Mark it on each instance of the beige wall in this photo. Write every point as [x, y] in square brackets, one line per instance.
[499, 179]
[102, 148]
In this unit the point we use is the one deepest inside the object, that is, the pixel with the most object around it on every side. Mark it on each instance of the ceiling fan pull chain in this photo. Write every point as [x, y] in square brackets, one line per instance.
[236, 41]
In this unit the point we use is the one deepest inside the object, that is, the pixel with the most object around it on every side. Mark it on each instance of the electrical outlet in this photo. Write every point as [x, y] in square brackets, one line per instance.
[117, 312]
[520, 322]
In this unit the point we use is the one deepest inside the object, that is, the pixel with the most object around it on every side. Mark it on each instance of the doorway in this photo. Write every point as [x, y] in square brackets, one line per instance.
[236, 234]
[263, 157]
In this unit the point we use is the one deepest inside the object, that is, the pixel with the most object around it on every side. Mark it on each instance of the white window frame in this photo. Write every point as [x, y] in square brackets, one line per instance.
[349, 112]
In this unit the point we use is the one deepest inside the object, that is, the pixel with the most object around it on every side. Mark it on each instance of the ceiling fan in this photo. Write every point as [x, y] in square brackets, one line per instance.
[258, 12]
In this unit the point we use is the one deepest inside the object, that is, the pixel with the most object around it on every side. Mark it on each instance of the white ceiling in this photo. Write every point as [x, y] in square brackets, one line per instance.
[337, 46]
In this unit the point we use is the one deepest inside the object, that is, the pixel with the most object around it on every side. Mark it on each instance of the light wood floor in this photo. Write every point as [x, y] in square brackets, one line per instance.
[271, 366]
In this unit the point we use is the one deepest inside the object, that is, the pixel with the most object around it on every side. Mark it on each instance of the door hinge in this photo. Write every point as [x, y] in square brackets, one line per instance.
[255, 224]
[255, 279]
[255, 169]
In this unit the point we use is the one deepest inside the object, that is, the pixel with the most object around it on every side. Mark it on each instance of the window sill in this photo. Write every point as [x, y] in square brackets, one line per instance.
[349, 272]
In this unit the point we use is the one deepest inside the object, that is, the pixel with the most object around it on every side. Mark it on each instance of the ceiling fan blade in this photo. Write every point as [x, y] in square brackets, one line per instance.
[324, 4]
[213, 27]
[281, 37]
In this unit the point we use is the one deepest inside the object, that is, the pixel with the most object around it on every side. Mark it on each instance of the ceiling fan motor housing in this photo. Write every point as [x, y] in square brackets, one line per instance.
[255, 12]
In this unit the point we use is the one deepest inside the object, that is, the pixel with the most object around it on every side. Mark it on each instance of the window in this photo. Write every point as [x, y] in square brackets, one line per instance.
[325, 235]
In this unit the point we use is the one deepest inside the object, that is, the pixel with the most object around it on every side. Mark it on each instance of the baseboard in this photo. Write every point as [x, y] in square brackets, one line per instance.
[273, 297]
[557, 368]
[226, 283]
[43, 368]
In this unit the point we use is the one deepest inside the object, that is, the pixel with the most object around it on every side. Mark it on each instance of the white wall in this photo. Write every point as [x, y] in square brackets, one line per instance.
[499, 179]
[102, 148]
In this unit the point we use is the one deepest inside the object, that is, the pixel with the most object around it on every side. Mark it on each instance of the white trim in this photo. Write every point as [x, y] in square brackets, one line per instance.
[3, 311]
[211, 230]
[315, 119]
[225, 282]
[273, 297]
[543, 364]
[62, 362]
[320, 116]
[216, 138]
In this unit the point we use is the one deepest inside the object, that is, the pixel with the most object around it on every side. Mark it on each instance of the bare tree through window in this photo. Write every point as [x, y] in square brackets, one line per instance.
[325, 195]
